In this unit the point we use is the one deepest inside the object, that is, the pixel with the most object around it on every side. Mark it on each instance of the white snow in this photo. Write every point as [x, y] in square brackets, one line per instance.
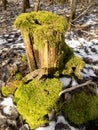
[2, 41]
[74, 82]
[8, 105]
[18, 45]
[95, 67]
[73, 43]
[52, 124]
[97, 90]
[65, 81]
[61, 119]
[50, 127]
[78, 42]
[91, 19]
[83, 49]
[88, 71]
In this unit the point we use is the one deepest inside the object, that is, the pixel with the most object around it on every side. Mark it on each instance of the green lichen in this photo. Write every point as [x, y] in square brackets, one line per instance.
[43, 26]
[82, 108]
[73, 66]
[36, 99]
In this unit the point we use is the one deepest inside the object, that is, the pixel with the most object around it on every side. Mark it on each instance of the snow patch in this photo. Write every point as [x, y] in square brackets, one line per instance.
[2, 41]
[61, 119]
[7, 103]
[50, 127]
[65, 81]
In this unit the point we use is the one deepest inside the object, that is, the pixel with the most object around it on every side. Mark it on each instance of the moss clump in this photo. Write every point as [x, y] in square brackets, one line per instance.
[82, 108]
[36, 99]
[18, 76]
[43, 26]
[63, 53]
[24, 58]
[10, 88]
[73, 66]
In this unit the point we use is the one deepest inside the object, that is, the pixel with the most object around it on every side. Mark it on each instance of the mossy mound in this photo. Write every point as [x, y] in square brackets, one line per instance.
[43, 26]
[82, 108]
[36, 99]
[73, 66]
[24, 58]
[10, 87]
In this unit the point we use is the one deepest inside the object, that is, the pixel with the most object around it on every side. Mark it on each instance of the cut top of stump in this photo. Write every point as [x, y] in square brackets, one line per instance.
[43, 26]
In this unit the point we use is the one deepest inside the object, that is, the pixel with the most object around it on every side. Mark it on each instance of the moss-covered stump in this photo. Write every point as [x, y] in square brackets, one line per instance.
[36, 99]
[82, 108]
[43, 35]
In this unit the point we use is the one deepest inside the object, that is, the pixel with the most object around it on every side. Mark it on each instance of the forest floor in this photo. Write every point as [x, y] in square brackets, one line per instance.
[83, 38]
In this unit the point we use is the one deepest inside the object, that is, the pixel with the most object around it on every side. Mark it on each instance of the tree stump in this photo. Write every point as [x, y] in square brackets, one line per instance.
[43, 34]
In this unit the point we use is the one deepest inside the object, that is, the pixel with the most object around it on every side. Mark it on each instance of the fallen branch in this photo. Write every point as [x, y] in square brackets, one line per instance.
[77, 86]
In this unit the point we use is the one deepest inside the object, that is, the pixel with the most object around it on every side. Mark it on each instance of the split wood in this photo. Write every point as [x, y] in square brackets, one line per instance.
[77, 86]
[38, 73]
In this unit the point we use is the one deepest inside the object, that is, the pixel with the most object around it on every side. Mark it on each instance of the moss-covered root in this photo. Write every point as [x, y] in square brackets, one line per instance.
[36, 99]
[82, 108]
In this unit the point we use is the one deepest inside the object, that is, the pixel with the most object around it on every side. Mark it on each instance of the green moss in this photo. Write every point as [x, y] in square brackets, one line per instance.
[64, 53]
[73, 66]
[82, 108]
[24, 58]
[10, 88]
[36, 99]
[18, 76]
[43, 26]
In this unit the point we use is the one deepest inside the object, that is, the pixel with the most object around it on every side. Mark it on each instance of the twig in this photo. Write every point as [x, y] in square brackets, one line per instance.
[94, 35]
[77, 86]
[81, 29]
[84, 12]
